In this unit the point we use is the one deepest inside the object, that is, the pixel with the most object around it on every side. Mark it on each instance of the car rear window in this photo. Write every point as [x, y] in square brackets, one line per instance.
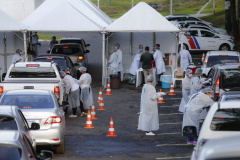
[61, 62]
[27, 101]
[34, 72]
[7, 123]
[213, 60]
[70, 41]
[67, 50]
[10, 153]
[230, 78]
[226, 120]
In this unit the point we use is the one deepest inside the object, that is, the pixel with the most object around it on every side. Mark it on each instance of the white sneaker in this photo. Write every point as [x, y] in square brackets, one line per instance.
[72, 116]
[150, 134]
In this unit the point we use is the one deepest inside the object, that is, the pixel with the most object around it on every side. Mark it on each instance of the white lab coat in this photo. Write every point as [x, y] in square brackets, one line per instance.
[186, 88]
[120, 65]
[160, 65]
[194, 108]
[135, 64]
[148, 118]
[17, 58]
[114, 62]
[70, 84]
[186, 58]
[196, 85]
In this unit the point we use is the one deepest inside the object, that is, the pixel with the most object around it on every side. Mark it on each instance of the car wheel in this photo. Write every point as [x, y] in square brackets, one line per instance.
[224, 47]
[60, 148]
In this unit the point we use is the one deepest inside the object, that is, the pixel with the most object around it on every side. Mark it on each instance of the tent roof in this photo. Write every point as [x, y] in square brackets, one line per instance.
[66, 15]
[10, 24]
[142, 18]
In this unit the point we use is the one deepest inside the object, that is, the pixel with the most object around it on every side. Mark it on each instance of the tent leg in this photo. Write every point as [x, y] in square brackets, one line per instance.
[177, 43]
[103, 59]
[25, 45]
[181, 39]
[5, 52]
[131, 44]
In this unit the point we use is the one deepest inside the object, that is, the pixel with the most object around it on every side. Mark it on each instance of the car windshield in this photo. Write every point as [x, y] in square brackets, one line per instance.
[10, 153]
[226, 120]
[28, 101]
[61, 62]
[230, 78]
[32, 72]
[213, 60]
[7, 123]
[67, 50]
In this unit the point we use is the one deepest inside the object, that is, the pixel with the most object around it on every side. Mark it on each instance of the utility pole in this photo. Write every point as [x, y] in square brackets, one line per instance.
[98, 3]
[234, 20]
[213, 7]
[228, 25]
[170, 7]
[132, 3]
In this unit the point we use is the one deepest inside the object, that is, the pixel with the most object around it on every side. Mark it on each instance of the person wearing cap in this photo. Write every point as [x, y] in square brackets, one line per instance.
[119, 53]
[86, 97]
[135, 65]
[196, 83]
[35, 43]
[18, 57]
[160, 65]
[194, 107]
[186, 57]
[146, 59]
[72, 91]
[186, 87]
[113, 62]
[148, 118]
[52, 42]
[158, 45]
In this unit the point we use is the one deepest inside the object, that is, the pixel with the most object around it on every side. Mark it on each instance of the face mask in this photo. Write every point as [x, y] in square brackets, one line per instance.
[190, 75]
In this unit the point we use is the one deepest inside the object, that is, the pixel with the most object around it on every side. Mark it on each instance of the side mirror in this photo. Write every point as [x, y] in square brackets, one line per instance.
[76, 64]
[87, 45]
[3, 76]
[190, 131]
[48, 51]
[64, 103]
[35, 126]
[46, 155]
[200, 63]
[216, 36]
[87, 51]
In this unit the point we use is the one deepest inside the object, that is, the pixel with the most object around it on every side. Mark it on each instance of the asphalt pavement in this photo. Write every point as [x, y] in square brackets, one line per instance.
[123, 106]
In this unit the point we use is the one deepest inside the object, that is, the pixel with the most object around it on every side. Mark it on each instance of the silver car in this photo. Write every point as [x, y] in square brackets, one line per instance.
[16, 146]
[40, 106]
[11, 118]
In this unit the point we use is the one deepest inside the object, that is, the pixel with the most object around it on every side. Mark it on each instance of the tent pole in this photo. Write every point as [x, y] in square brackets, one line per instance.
[181, 39]
[177, 43]
[131, 41]
[103, 58]
[25, 45]
[5, 52]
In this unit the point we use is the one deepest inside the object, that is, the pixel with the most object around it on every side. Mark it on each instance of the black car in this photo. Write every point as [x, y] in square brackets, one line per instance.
[75, 40]
[64, 63]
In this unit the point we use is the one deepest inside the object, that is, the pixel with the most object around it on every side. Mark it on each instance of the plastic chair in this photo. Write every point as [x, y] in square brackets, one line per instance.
[178, 75]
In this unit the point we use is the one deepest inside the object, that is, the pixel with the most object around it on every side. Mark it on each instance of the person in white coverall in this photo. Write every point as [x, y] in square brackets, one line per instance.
[186, 87]
[148, 118]
[119, 53]
[18, 57]
[194, 107]
[113, 62]
[86, 97]
[135, 65]
[160, 65]
[186, 57]
[197, 82]
[72, 91]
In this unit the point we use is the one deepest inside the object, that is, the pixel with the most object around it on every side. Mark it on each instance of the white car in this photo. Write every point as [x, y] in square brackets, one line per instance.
[185, 18]
[205, 40]
[222, 120]
[214, 57]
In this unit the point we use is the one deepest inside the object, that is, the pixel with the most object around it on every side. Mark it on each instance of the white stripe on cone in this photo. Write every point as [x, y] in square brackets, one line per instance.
[111, 122]
[89, 122]
[111, 129]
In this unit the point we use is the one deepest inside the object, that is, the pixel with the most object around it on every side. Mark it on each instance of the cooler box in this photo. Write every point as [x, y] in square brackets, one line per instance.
[166, 81]
[114, 81]
[193, 68]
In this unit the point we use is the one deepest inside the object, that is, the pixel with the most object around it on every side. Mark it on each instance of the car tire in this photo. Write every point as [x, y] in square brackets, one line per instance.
[224, 47]
[60, 148]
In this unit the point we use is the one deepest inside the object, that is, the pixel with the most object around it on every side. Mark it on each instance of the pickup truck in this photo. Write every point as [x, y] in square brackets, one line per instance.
[33, 75]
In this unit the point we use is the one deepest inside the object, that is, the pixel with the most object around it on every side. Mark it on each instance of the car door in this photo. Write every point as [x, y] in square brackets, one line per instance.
[71, 67]
[192, 39]
[208, 40]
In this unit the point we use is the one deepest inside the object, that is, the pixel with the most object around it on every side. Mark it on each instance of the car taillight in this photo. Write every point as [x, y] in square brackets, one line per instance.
[53, 119]
[80, 58]
[49, 58]
[68, 72]
[217, 88]
[57, 92]
[1, 90]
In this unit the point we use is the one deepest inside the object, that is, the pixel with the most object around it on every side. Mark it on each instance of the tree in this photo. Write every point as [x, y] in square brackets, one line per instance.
[228, 25]
[235, 30]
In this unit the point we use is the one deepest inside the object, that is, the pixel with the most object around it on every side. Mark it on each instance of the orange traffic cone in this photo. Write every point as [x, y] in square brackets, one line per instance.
[108, 90]
[100, 95]
[93, 112]
[160, 100]
[203, 57]
[101, 104]
[89, 121]
[111, 131]
[172, 90]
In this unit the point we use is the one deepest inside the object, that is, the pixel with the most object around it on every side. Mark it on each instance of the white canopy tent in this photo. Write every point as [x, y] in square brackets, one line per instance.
[142, 18]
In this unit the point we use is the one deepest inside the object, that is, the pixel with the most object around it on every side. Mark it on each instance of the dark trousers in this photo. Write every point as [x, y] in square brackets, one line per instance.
[81, 103]
[159, 82]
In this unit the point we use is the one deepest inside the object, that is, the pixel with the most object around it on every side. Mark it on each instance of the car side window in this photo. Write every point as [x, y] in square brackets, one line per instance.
[211, 72]
[70, 61]
[206, 34]
[191, 33]
[28, 146]
[25, 124]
